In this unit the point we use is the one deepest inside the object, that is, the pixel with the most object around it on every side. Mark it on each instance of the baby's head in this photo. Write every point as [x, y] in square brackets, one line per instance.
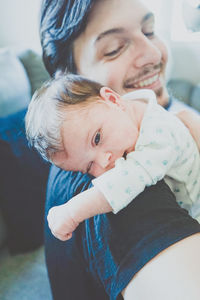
[51, 106]
[79, 125]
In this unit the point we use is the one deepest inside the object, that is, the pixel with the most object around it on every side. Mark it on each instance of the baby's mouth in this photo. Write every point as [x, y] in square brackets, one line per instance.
[124, 155]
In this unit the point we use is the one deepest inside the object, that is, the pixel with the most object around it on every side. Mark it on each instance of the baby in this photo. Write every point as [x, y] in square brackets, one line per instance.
[127, 143]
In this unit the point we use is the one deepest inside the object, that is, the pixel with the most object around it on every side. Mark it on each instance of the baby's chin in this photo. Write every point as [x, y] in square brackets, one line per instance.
[103, 171]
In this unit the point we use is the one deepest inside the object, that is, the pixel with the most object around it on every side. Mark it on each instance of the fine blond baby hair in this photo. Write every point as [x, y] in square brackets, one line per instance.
[49, 107]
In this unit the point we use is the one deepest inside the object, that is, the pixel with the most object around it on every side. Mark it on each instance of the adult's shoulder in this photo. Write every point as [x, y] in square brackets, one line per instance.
[176, 105]
[119, 245]
[63, 185]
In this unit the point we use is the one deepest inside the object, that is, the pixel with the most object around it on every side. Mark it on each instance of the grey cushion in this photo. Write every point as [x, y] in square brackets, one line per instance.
[180, 89]
[15, 91]
[24, 277]
[35, 69]
[195, 97]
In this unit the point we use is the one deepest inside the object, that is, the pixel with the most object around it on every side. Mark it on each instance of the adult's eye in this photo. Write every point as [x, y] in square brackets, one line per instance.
[97, 138]
[114, 52]
[149, 34]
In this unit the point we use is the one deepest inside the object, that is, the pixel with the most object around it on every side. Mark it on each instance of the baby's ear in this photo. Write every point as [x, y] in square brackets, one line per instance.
[59, 158]
[108, 94]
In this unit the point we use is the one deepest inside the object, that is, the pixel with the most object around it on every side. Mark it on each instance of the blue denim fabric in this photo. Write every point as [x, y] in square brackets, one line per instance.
[23, 179]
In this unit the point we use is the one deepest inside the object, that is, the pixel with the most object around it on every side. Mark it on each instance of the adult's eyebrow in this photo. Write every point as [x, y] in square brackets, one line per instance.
[109, 32]
[119, 30]
[147, 17]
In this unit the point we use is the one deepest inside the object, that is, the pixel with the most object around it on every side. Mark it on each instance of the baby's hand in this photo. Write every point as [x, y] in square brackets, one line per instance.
[61, 222]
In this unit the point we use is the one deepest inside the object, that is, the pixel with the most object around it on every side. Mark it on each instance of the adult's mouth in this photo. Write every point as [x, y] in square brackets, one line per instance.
[150, 82]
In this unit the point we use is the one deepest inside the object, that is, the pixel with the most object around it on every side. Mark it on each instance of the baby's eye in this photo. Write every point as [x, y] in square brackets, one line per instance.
[97, 138]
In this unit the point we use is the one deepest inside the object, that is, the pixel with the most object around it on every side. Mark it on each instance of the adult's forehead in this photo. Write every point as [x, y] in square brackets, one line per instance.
[111, 14]
[106, 16]
[108, 10]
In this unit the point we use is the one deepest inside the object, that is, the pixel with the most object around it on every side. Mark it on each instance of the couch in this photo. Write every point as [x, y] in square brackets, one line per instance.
[185, 91]
[23, 178]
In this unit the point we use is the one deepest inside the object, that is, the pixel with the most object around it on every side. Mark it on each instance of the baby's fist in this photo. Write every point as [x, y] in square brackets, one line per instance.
[61, 222]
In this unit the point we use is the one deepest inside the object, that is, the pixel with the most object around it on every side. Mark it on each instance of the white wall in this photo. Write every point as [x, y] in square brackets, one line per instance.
[19, 23]
[184, 58]
[185, 61]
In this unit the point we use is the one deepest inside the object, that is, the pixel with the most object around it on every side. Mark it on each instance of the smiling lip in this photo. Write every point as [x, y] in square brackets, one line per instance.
[151, 82]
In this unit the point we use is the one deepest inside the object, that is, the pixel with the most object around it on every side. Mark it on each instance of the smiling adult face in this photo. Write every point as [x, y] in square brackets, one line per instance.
[120, 49]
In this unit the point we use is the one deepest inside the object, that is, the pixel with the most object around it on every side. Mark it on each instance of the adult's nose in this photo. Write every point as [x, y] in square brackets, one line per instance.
[146, 52]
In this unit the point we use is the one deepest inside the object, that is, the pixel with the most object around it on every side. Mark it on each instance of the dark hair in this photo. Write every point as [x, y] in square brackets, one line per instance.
[62, 21]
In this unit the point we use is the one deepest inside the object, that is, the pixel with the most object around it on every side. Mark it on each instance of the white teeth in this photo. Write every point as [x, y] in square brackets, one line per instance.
[146, 82]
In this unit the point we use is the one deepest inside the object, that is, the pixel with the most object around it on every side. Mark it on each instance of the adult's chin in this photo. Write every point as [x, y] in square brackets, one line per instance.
[162, 96]
[159, 92]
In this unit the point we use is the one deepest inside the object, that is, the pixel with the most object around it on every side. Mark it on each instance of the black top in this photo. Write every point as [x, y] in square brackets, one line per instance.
[107, 250]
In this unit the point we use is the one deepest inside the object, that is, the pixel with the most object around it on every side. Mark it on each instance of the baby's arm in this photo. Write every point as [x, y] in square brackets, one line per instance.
[64, 219]
[158, 150]
[116, 188]
[192, 122]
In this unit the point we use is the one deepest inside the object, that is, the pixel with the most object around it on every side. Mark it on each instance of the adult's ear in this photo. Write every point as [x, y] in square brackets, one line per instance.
[108, 94]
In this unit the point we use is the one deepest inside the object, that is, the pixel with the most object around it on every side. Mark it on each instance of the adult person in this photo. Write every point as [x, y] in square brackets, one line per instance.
[113, 42]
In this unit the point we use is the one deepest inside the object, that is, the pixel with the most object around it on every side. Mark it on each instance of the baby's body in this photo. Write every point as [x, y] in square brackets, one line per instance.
[164, 148]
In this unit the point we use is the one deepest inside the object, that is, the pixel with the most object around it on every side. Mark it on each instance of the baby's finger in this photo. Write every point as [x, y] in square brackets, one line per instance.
[62, 237]
[68, 236]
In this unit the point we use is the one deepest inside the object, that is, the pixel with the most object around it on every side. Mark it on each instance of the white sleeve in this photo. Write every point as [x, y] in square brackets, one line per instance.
[143, 167]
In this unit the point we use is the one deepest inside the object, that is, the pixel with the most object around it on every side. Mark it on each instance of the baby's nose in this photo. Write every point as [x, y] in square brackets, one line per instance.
[104, 159]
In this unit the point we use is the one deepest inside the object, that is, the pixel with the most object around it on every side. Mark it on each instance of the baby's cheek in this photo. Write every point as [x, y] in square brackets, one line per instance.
[97, 171]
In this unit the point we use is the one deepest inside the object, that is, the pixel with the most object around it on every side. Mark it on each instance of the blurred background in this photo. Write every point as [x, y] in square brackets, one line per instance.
[178, 23]
[19, 23]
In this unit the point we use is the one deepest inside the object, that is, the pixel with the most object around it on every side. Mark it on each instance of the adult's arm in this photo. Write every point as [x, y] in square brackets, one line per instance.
[67, 270]
[173, 274]
[107, 251]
